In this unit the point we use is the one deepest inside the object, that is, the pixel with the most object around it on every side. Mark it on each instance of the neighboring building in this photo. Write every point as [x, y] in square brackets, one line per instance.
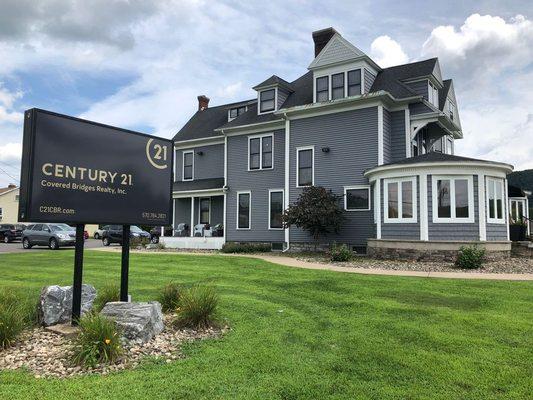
[9, 204]
[381, 137]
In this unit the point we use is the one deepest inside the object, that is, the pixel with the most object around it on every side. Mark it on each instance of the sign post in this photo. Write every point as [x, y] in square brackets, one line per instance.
[81, 172]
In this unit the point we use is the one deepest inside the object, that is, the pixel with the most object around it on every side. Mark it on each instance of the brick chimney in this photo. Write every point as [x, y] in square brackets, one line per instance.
[203, 102]
[11, 186]
[321, 38]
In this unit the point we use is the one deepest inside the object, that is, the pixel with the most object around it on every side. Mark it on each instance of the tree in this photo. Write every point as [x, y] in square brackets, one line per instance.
[316, 211]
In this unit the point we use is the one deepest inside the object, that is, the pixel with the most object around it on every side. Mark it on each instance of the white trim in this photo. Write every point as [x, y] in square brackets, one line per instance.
[380, 135]
[248, 129]
[200, 208]
[209, 141]
[225, 161]
[424, 224]
[407, 133]
[248, 192]
[173, 216]
[287, 172]
[481, 185]
[346, 188]
[495, 220]
[298, 149]
[399, 181]
[377, 207]
[199, 192]
[192, 216]
[259, 112]
[260, 137]
[270, 191]
[462, 167]
[183, 165]
[506, 212]
[453, 219]
[224, 219]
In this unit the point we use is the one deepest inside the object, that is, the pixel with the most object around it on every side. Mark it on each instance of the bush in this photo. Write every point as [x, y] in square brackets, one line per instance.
[98, 341]
[170, 297]
[198, 306]
[340, 253]
[470, 257]
[233, 247]
[108, 293]
[11, 324]
[136, 242]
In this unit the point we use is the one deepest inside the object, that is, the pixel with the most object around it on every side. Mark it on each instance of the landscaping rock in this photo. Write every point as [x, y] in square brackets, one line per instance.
[55, 303]
[137, 321]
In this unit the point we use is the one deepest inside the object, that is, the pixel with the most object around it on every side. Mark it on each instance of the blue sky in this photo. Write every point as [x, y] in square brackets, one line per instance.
[140, 65]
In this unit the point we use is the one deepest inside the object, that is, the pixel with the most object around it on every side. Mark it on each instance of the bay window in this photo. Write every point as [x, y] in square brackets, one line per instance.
[453, 199]
[400, 200]
[495, 195]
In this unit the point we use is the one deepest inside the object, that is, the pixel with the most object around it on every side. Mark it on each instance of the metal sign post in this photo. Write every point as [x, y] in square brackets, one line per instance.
[78, 274]
[125, 263]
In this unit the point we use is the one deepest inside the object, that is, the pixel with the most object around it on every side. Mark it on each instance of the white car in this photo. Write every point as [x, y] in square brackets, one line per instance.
[98, 232]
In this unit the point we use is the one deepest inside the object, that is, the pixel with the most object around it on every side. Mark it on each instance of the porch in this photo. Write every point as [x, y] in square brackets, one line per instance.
[193, 243]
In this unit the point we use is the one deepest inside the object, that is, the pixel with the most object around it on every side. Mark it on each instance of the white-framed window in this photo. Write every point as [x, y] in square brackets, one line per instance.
[244, 210]
[354, 82]
[267, 101]
[322, 88]
[433, 94]
[399, 200]
[449, 145]
[357, 198]
[235, 112]
[305, 166]
[275, 208]
[261, 152]
[453, 199]
[495, 205]
[451, 108]
[204, 210]
[517, 209]
[337, 86]
[187, 170]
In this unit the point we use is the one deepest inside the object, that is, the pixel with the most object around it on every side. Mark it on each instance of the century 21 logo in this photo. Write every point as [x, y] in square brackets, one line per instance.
[160, 154]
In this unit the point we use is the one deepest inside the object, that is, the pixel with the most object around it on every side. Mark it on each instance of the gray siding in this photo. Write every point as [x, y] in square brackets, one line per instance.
[387, 144]
[397, 135]
[407, 231]
[217, 210]
[420, 88]
[496, 232]
[182, 212]
[352, 139]
[466, 231]
[258, 182]
[419, 108]
[369, 80]
[209, 165]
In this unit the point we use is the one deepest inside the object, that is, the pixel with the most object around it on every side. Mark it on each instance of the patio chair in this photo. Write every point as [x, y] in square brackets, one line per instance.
[199, 230]
[182, 230]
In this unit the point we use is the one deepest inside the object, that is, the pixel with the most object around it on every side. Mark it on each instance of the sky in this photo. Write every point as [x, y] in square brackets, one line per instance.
[140, 65]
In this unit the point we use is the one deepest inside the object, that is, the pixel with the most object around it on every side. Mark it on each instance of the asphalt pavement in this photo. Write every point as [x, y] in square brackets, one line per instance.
[16, 247]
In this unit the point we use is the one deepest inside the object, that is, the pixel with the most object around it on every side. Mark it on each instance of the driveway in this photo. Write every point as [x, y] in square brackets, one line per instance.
[16, 247]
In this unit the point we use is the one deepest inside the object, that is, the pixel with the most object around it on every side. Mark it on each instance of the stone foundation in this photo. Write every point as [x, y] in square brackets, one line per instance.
[522, 249]
[308, 247]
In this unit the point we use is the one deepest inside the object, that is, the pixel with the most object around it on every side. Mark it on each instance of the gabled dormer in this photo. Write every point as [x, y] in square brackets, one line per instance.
[448, 102]
[271, 94]
[426, 80]
[339, 69]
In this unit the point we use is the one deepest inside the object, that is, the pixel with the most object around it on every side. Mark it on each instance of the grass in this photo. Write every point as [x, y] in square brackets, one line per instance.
[306, 334]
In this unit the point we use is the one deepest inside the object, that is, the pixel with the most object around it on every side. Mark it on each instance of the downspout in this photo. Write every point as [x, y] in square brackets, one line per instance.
[287, 170]
[224, 189]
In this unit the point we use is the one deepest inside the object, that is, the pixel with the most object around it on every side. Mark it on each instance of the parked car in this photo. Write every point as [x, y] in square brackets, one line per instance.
[155, 233]
[99, 232]
[11, 232]
[114, 234]
[52, 235]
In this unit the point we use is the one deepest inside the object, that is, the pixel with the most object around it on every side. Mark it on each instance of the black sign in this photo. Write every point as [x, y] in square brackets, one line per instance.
[78, 171]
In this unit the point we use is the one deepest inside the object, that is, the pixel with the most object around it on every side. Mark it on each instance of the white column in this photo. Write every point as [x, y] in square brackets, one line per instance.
[287, 172]
[192, 216]
[481, 207]
[424, 234]
[162, 231]
[407, 133]
[505, 209]
[377, 207]
[224, 217]
[173, 216]
[380, 135]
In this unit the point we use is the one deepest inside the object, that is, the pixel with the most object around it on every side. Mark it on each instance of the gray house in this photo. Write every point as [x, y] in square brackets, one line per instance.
[381, 137]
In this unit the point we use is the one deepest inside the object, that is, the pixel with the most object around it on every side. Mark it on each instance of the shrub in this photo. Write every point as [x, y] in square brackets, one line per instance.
[170, 297]
[11, 324]
[233, 247]
[108, 293]
[98, 341]
[25, 304]
[139, 242]
[470, 257]
[198, 306]
[340, 253]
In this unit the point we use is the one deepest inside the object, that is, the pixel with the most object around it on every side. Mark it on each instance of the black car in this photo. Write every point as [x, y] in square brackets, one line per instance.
[155, 233]
[113, 234]
[11, 232]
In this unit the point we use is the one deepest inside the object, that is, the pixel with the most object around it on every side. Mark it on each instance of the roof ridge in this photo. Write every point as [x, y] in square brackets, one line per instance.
[410, 63]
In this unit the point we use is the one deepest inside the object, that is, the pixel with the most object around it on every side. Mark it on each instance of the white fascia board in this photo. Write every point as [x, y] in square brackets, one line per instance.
[252, 128]
[196, 193]
[184, 144]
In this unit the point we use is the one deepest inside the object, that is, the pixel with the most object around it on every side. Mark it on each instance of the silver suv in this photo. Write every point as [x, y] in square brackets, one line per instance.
[51, 235]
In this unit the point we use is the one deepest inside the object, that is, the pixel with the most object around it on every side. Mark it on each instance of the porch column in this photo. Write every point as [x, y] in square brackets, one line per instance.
[192, 216]
[481, 207]
[424, 234]
[377, 207]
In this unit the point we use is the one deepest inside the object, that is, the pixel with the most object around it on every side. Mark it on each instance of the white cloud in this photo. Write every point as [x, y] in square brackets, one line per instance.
[10, 152]
[387, 52]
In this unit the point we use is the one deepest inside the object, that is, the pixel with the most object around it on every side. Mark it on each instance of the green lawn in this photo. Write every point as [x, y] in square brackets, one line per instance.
[304, 334]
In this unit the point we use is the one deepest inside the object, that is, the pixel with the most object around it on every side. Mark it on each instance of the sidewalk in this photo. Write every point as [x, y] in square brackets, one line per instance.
[295, 263]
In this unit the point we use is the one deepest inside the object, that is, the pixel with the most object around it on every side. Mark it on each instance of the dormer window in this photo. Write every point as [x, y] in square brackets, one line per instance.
[267, 100]
[235, 112]
[337, 86]
[451, 106]
[433, 95]
[322, 88]
[354, 82]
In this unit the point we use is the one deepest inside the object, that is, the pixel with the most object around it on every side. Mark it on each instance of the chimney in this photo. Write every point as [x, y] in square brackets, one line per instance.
[321, 38]
[203, 102]
[11, 186]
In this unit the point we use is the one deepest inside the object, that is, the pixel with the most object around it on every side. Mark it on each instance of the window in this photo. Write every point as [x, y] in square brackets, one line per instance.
[275, 209]
[243, 210]
[235, 112]
[305, 165]
[451, 107]
[400, 200]
[433, 95]
[16, 197]
[337, 86]
[205, 210]
[354, 82]
[414, 148]
[260, 152]
[188, 166]
[449, 145]
[322, 88]
[0, 212]
[267, 100]
[495, 196]
[357, 198]
[453, 199]
[518, 207]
